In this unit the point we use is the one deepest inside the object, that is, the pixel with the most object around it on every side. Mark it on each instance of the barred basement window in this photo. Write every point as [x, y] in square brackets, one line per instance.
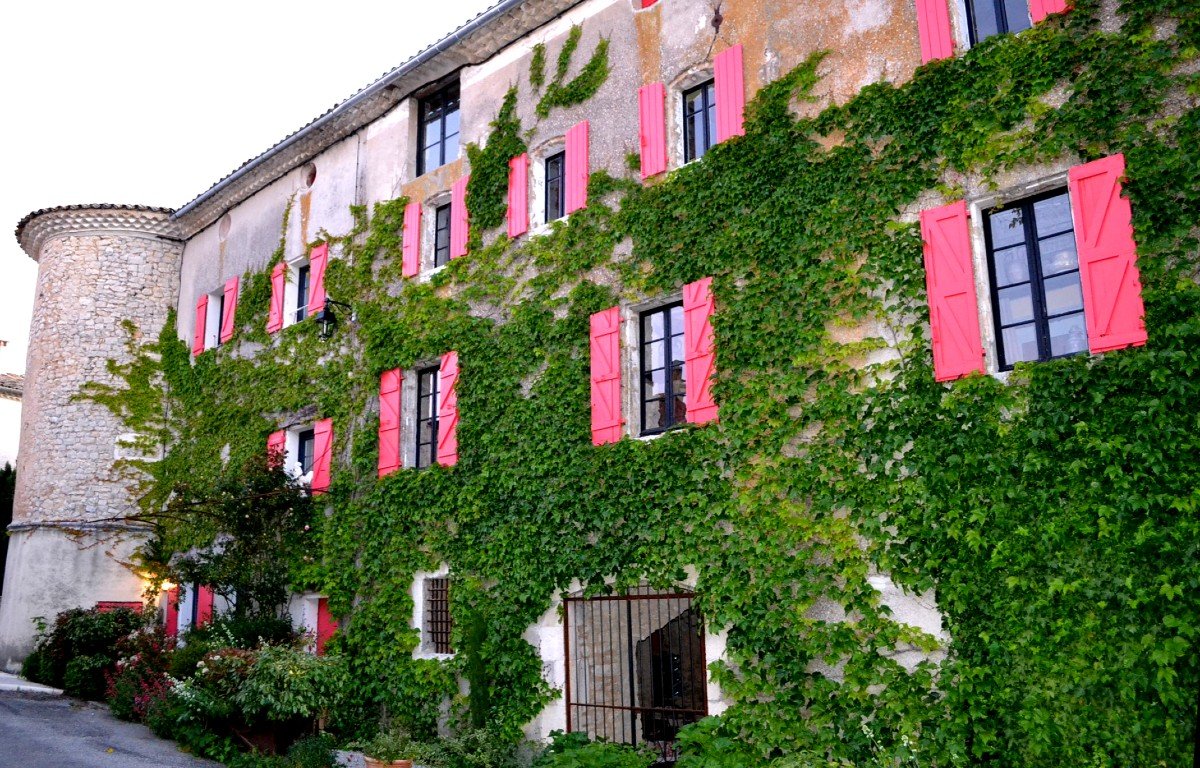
[699, 120]
[664, 380]
[438, 623]
[1037, 298]
[427, 416]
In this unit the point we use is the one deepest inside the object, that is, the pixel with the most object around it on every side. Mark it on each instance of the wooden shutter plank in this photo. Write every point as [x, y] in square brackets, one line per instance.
[459, 218]
[1040, 9]
[204, 605]
[318, 259]
[278, 282]
[322, 456]
[447, 438]
[729, 84]
[652, 129]
[410, 248]
[229, 315]
[326, 625]
[277, 448]
[518, 195]
[171, 611]
[201, 322]
[699, 351]
[577, 170]
[951, 290]
[606, 376]
[933, 27]
[389, 421]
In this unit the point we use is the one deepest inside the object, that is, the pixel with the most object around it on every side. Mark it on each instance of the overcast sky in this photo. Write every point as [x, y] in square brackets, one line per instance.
[133, 101]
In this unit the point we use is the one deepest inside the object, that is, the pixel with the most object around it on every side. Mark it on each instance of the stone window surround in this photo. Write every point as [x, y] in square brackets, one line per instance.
[537, 184]
[290, 288]
[408, 411]
[429, 234]
[291, 460]
[423, 649]
[685, 81]
[631, 359]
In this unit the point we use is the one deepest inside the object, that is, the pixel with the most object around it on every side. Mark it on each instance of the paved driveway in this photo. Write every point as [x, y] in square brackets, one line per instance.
[64, 733]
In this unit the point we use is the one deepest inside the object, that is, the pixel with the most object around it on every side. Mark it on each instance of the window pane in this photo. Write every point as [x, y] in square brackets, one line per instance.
[1016, 13]
[654, 355]
[1068, 335]
[678, 381]
[433, 156]
[1020, 343]
[1052, 215]
[1016, 304]
[1058, 254]
[656, 413]
[425, 456]
[1006, 228]
[677, 319]
[677, 347]
[1012, 266]
[1063, 294]
[983, 13]
[451, 123]
[658, 382]
[451, 145]
[652, 327]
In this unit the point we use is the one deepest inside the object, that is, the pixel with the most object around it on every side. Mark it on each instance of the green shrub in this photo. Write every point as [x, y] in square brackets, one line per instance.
[474, 748]
[36, 668]
[140, 675]
[84, 676]
[285, 683]
[313, 752]
[79, 647]
[574, 750]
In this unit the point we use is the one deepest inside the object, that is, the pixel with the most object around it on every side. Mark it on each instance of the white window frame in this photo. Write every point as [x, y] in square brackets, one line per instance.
[291, 459]
[291, 289]
[212, 320]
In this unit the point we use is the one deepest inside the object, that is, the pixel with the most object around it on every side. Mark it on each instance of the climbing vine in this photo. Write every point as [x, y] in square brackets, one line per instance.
[1053, 516]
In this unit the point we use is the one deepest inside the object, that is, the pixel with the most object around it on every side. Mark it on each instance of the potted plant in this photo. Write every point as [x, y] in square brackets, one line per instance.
[392, 746]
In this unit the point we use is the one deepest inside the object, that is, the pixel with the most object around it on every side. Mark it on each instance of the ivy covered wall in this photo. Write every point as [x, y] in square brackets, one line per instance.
[1053, 514]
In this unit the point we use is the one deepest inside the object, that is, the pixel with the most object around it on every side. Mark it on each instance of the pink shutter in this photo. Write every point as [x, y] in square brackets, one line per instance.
[326, 625]
[606, 376]
[1112, 287]
[730, 92]
[201, 322]
[699, 351]
[171, 611]
[277, 448]
[389, 421]
[577, 167]
[950, 285]
[459, 219]
[652, 128]
[317, 261]
[229, 314]
[1040, 9]
[278, 280]
[447, 447]
[204, 605]
[411, 242]
[518, 195]
[933, 27]
[322, 455]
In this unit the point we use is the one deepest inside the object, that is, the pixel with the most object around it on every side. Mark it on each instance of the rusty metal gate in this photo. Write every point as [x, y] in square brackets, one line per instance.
[636, 671]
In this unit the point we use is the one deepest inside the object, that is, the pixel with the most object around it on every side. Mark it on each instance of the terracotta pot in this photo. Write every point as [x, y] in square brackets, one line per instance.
[373, 763]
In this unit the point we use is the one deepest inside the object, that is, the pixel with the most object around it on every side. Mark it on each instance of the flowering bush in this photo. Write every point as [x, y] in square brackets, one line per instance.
[285, 683]
[209, 694]
[139, 678]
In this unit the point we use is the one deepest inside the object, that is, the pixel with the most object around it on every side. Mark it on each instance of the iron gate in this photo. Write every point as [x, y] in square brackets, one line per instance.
[636, 671]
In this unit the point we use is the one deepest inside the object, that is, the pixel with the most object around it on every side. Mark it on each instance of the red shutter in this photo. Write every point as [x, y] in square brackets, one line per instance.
[277, 448]
[577, 167]
[204, 605]
[278, 280]
[459, 219]
[731, 93]
[647, 3]
[1112, 287]
[652, 128]
[389, 421]
[518, 195]
[322, 455]
[201, 321]
[230, 309]
[447, 447]
[411, 247]
[317, 260]
[171, 611]
[326, 625]
[699, 352]
[1040, 9]
[606, 376]
[933, 27]
[950, 285]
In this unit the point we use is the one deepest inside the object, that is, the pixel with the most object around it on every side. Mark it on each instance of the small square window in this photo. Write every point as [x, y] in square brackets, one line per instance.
[664, 379]
[699, 120]
[427, 416]
[996, 17]
[441, 236]
[438, 129]
[556, 187]
[1037, 297]
[438, 622]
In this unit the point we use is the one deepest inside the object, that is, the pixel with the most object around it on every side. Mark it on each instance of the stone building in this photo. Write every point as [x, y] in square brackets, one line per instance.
[680, 73]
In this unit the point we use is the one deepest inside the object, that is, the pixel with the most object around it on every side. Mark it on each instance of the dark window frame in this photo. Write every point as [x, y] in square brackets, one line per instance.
[305, 446]
[220, 318]
[1004, 25]
[441, 235]
[302, 288]
[708, 105]
[434, 111]
[427, 394]
[556, 199]
[439, 623]
[671, 420]
[1036, 278]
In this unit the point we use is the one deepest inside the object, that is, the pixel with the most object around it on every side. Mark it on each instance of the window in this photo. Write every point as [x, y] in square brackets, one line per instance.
[996, 17]
[438, 624]
[216, 301]
[699, 120]
[305, 440]
[664, 382]
[441, 236]
[427, 416]
[301, 311]
[556, 186]
[1037, 299]
[438, 129]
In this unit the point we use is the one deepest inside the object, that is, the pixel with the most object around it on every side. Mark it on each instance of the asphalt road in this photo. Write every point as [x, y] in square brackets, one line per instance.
[60, 732]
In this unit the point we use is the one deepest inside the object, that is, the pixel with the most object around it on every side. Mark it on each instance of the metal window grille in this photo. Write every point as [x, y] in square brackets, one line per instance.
[556, 188]
[439, 129]
[438, 623]
[1037, 297]
[427, 416]
[664, 377]
[441, 236]
[636, 671]
[699, 120]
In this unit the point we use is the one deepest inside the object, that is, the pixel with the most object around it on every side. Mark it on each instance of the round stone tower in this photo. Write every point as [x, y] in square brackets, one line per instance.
[98, 266]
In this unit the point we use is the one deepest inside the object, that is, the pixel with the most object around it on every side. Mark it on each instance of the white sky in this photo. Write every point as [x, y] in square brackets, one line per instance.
[140, 102]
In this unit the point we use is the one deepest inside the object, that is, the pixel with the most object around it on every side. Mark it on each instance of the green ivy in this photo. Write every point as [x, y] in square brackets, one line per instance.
[1053, 515]
[583, 86]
